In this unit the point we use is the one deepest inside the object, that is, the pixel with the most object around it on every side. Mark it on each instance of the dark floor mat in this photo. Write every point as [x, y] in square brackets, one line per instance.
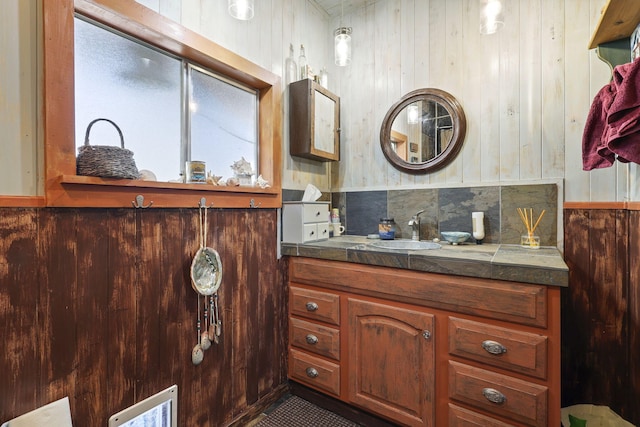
[297, 412]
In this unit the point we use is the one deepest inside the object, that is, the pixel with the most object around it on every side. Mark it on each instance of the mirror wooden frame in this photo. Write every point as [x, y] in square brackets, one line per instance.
[459, 121]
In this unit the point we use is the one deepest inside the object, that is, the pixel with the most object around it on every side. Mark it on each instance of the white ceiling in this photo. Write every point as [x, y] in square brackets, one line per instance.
[334, 7]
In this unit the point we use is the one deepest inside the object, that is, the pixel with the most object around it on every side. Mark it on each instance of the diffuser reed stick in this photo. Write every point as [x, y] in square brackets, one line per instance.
[527, 219]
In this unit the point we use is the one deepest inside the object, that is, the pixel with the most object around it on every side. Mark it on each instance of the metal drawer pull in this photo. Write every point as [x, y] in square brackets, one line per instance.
[494, 347]
[312, 306]
[311, 339]
[311, 372]
[492, 395]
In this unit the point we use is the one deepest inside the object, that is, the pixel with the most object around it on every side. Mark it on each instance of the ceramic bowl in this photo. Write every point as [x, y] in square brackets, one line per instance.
[455, 237]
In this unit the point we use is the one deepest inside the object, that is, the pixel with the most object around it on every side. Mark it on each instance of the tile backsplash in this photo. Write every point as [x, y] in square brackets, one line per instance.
[448, 209]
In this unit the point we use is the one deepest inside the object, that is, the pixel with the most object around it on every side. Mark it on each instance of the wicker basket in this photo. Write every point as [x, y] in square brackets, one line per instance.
[105, 160]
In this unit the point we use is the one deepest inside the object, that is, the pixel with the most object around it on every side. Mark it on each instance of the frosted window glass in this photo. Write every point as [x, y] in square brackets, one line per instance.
[223, 122]
[135, 86]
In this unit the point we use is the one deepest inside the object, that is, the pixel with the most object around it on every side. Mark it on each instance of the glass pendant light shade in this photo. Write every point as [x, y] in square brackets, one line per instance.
[491, 18]
[342, 47]
[241, 9]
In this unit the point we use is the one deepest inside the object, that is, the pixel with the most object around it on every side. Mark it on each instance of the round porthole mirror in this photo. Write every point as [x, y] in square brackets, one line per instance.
[423, 131]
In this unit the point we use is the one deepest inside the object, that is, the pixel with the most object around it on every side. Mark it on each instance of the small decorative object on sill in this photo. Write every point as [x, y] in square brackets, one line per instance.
[213, 179]
[195, 172]
[262, 183]
[242, 172]
[106, 161]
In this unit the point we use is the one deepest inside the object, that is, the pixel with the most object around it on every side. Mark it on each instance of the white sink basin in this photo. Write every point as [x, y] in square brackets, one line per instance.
[406, 245]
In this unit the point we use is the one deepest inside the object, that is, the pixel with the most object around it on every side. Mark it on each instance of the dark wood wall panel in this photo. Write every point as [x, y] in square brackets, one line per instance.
[20, 367]
[599, 350]
[634, 316]
[97, 305]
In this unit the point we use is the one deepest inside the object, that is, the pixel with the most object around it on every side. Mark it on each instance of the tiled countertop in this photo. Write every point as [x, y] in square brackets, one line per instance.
[543, 266]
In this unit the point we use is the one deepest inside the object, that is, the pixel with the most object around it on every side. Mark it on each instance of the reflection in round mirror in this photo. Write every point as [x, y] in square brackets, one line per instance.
[423, 131]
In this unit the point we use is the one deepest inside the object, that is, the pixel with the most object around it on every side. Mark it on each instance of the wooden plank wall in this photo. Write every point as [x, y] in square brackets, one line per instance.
[601, 310]
[526, 90]
[97, 305]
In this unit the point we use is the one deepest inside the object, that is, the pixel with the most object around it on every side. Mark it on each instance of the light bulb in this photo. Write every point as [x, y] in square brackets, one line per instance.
[241, 9]
[342, 46]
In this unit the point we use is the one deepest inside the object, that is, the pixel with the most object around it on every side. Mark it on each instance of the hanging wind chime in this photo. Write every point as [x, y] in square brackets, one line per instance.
[206, 276]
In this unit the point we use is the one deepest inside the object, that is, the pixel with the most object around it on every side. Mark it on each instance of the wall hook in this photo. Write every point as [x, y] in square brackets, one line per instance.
[203, 203]
[139, 202]
[252, 204]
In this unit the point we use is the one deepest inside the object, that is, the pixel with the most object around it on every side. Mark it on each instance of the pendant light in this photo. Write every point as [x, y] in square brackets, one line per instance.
[491, 18]
[241, 9]
[342, 45]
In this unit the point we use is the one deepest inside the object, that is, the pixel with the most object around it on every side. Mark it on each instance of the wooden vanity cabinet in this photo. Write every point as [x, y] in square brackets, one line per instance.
[423, 349]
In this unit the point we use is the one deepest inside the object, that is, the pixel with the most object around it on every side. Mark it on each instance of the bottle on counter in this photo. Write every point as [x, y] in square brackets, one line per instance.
[302, 63]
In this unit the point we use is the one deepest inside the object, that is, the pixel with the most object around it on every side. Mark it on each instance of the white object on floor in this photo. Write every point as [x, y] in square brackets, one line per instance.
[55, 413]
[596, 416]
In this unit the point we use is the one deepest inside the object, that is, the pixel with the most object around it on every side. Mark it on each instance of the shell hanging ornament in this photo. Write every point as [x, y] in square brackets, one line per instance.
[206, 277]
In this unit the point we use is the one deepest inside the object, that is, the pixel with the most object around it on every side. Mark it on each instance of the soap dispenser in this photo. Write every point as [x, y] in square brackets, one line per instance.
[477, 220]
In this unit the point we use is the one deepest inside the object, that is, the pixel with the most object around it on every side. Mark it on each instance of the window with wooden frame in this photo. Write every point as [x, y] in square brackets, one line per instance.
[64, 188]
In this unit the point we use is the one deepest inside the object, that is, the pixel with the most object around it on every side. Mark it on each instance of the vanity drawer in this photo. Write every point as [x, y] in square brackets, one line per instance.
[322, 306]
[506, 348]
[315, 338]
[502, 395]
[460, 417]
[314, 371]
[315, 212]
[313, 232]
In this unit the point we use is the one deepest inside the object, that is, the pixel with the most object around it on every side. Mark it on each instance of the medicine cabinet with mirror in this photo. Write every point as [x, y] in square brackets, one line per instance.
[314, 121]
[423, 131]
[174, 81]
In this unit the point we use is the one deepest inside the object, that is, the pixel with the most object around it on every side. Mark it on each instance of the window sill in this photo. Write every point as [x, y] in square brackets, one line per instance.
[87, 191]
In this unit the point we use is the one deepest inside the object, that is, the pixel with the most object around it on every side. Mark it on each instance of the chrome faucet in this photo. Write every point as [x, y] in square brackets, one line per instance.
[414, 222]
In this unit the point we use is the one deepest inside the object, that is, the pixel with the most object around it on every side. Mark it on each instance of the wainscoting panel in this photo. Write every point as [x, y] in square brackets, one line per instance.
[97, 305]
[601, 310]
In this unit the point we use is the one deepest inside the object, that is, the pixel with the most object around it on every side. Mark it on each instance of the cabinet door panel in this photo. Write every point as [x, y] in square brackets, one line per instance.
[391, 361]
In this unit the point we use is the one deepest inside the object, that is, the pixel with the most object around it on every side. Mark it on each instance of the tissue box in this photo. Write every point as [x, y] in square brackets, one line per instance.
[634, 40]
[304, 222]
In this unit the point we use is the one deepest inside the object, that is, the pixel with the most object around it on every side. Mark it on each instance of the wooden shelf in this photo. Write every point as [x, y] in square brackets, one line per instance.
[618, 20]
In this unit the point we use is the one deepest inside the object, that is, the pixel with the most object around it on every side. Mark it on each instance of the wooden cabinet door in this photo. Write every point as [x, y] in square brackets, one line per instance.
[391, 362]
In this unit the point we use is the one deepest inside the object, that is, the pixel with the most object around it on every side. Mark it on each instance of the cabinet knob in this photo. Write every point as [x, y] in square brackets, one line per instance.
[312, 306]
[494, 396]
[493, 347]
[318, 213]
[311, 372]
[426, 334]
[311, 339]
